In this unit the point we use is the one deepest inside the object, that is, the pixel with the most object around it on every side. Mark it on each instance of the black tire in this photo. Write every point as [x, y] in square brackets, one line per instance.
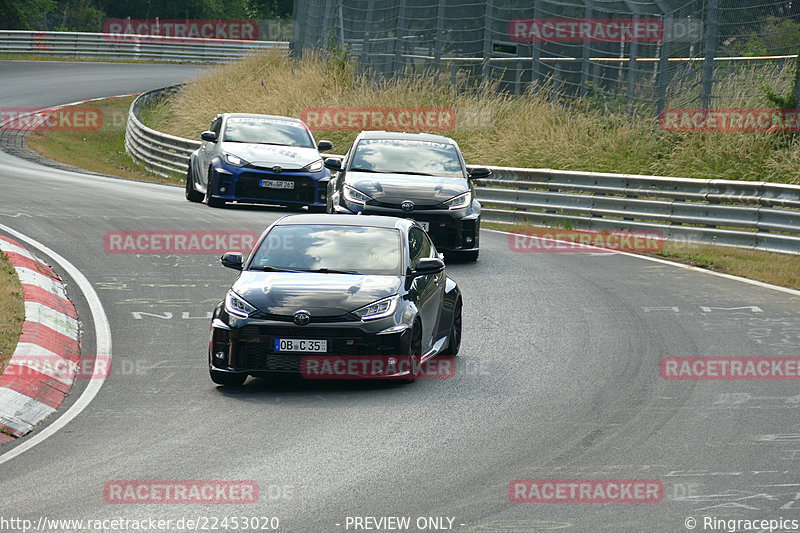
[414, 350]
[226, 379]
[191, 194]
[317, 209]
[454, 340]
[209, 200]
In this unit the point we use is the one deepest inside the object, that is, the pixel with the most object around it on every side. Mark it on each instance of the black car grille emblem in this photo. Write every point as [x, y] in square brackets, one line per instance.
[301, 318]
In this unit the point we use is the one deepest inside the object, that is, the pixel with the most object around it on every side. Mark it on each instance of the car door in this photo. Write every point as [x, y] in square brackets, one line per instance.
[429, 289]
[206, 153]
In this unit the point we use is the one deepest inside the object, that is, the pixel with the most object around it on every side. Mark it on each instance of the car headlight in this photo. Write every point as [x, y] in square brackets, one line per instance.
[378, 309]
[354, 195]
[236, 305]
[459, 202]
[234, 160]
[316, 166]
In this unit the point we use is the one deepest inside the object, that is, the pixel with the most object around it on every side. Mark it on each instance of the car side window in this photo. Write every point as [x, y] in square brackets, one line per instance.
[216, 126]
[419, 245]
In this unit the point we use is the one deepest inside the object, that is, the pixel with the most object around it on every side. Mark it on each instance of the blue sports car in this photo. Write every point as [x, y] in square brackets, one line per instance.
[261, 159]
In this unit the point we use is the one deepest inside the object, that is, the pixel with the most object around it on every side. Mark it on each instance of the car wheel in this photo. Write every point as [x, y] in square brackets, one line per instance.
[209, 200]
[454, 341]
[226, 379]
[191, 194]
[414, 351]
[317, 209]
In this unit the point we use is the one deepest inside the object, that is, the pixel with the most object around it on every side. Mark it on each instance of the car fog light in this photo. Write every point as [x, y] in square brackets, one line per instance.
[222, 189]
[468, 239]
[220, 355]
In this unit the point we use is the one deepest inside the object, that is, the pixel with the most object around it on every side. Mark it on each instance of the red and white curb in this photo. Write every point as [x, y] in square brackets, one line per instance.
[51, 330]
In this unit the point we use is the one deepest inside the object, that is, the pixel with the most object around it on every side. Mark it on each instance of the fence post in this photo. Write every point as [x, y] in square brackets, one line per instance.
[663, 63]
[437, 43]
[536, 52]
[633, 55]
[584, 90]
[711, 51]
[487, 38]
[365, 43]
[797, 79]
[399, 36]
[326, 30]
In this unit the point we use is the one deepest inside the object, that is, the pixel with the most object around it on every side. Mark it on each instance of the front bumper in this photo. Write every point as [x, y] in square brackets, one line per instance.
[243, 184]
[450, 230]
[247, 346]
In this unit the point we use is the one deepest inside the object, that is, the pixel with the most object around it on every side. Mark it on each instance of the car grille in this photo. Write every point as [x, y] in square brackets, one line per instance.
[255, 348]
[248, 187]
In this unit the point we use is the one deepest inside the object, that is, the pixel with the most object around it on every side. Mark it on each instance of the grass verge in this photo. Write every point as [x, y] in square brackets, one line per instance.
[12, 310]
[537, 129]
[101, 150]
[774, 268]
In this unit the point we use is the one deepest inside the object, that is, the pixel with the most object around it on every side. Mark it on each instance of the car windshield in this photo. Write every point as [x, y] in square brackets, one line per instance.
[406, 156]
[266, 131]
[347, 249]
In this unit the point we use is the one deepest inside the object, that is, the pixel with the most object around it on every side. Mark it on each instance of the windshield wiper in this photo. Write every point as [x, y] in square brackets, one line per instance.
[411, 172]
[330, 271]
[367, 170]
[273, 269]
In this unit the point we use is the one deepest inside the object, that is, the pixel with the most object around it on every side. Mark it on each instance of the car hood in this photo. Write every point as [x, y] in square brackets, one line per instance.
[322, 295]
[396, 188]
[269, 155]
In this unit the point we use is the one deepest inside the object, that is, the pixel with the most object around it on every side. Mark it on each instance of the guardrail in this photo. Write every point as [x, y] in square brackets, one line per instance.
[747, 214]
[130, 47]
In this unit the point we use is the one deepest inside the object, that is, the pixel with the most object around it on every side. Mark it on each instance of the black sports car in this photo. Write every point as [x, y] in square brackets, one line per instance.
[414, 175]
[330, 285]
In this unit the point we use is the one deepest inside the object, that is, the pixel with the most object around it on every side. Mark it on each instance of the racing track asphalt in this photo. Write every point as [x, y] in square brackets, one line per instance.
[559, 377]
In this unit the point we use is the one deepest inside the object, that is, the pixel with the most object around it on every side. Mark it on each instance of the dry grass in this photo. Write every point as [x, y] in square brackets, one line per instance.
[533, 130]
[101, 151]
[12, 310]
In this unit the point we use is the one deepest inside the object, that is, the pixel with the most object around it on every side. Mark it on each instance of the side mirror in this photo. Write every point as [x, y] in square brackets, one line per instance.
[324, 146]
[209, 136]
[479, 173]
[232, 260]
[333, 164]
[429, 265]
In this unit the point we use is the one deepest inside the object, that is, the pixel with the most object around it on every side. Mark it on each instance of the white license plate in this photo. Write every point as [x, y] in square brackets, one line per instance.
[277, 184]
[301, 345]
[425, 225]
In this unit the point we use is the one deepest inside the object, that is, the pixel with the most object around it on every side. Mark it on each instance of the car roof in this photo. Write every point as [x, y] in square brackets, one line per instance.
[375, 221]
[405, 136]
[257, 115]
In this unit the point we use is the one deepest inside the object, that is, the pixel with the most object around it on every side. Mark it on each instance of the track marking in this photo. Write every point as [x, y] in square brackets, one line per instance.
[761, 284]
[102, 331]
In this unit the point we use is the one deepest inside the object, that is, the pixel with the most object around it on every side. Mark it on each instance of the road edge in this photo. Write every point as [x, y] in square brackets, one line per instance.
[39, 277]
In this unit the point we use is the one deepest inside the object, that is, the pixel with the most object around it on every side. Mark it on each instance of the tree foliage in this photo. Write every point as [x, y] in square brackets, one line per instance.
[88, 15]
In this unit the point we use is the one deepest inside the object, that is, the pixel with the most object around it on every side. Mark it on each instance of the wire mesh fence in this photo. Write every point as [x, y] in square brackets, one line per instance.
[650, 54]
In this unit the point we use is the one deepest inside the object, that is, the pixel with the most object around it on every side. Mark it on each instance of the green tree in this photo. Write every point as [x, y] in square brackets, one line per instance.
[24, 14]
